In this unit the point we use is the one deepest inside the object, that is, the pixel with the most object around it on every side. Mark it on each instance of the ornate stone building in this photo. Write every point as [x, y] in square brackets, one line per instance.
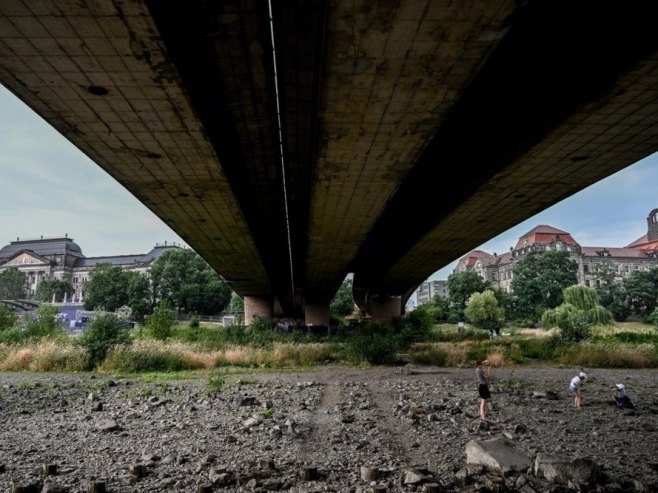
[642, 254]
[62, 258]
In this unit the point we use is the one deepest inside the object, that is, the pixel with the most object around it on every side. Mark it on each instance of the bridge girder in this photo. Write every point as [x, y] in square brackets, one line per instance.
[411, 131]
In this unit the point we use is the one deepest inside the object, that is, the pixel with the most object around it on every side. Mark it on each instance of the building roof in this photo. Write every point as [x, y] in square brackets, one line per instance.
[42, 246]
[544, 235]
[122, 260]
[117, 260]
[644, 243]
[614, 252]
[472, 257]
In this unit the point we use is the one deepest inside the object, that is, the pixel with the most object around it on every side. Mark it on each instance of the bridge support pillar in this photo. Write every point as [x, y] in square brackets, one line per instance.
[257, 306]
[316, 313]
[384, 308]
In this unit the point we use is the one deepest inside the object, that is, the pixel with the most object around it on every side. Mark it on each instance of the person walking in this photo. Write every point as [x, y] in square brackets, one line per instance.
[574, 389]
[483, 376]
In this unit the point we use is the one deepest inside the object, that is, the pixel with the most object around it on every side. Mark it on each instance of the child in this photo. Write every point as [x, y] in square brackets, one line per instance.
[622, 400]
[483, 387]
[574, 388]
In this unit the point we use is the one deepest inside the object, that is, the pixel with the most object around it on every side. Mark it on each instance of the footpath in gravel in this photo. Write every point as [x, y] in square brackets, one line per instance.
[333, 428]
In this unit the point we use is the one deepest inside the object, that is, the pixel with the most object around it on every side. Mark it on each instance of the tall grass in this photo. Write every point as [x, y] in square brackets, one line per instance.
[42, 355]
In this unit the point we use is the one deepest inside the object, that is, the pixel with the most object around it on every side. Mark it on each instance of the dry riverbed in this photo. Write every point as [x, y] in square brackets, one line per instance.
[330, 429]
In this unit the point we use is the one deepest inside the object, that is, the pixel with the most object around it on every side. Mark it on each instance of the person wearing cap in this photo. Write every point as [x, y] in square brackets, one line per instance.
[574, 388]
[621, 398]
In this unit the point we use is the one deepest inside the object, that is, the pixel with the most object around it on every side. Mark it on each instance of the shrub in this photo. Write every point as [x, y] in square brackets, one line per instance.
[154, 356]
[8, 318]
[43, 324]
[483, 311]
[375, 343]
[428, 354]
[194, 322]
[161, 321]
[104, 331]
[413, 327]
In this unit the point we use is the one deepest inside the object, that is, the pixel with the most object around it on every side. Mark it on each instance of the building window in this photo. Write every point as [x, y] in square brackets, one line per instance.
[587, 283]
[586, 268]
[598, 283]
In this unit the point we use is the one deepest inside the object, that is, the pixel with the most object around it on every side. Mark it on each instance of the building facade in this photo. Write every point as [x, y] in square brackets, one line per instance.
[429, 289]
[62, 258]
[594, 263]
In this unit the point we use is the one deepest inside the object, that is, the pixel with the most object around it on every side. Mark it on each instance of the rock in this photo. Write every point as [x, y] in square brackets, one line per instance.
[107, 426]
[497, 454]
[556, 470]
[308, 473]
[369, 473]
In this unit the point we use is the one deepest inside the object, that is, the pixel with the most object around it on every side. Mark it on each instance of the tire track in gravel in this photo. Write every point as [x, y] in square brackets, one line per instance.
[321, 424]
[400, 432]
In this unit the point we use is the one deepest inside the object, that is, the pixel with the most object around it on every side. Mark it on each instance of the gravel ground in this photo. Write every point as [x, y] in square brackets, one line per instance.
[330, 429]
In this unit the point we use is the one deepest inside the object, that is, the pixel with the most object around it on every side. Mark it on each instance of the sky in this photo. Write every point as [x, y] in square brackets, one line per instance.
[48, 187]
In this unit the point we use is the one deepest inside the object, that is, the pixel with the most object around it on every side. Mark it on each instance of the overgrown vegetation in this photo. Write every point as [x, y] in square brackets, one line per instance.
[107, 346]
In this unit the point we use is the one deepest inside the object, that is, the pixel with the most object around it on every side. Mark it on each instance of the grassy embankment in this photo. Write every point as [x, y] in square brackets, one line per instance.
[625, 345]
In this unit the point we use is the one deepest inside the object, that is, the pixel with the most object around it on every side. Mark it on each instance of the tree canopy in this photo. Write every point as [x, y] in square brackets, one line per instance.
[642, 291]
[107, 288]
[539, 280]
[49, 287]
[13, 284]
[183, 278]
[343, 302]
[484, 311]
[461, 285]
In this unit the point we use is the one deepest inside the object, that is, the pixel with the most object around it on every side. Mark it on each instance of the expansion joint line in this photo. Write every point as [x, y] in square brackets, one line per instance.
[281, 155]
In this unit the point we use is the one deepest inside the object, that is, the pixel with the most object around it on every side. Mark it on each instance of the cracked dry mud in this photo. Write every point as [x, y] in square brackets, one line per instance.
[312, 430]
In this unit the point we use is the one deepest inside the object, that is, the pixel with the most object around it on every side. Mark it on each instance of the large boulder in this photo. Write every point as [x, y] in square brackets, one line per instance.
[498, 455]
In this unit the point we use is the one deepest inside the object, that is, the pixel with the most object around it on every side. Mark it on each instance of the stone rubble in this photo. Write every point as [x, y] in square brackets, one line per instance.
[332, 429]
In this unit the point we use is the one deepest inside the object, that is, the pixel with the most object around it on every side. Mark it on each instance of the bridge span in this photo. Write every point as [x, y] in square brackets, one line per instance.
[294, 142]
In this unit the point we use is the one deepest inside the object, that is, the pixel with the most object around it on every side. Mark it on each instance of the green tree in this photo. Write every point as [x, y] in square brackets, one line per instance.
[461, 286]
[579, 312]
[343, 302]
[138, 291]
[107, 288]
[8, 317]
[13, 284]
[641, 290]
[182, 277]
[43, 323]
[58, 287]
[484, 312]
[612, 293]
[161, 321]
[438, 309]
[103, 332]
[539, 280]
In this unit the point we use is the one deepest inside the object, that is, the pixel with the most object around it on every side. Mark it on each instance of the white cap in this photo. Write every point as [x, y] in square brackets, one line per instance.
[582, 374]
[620, 386]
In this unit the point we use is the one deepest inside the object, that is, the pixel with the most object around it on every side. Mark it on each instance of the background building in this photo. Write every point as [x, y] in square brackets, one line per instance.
[62, 258]
[429, 289]
[593, 262]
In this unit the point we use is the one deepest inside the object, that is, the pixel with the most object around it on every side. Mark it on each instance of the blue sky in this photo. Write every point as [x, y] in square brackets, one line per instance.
[48, 187]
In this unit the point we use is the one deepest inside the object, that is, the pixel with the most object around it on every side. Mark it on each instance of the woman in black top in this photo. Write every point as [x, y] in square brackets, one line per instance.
[483, 387]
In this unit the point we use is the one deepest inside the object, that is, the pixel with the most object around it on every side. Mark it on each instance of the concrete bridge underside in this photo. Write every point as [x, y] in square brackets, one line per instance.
[411, 130]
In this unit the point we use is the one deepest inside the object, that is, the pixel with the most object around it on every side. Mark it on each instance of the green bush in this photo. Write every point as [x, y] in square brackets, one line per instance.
[8, 318]
[12, 336]
[104, 332]
[194, 322]
[414, 327]
[144, 361]
[429, 356]
[43, 324]
[161, 321]
[376, 343]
